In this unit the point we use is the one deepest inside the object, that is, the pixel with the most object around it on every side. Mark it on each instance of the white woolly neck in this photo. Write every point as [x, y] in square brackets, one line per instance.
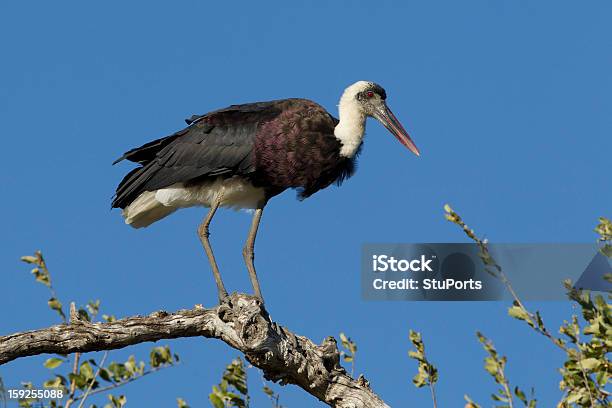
[351, 128]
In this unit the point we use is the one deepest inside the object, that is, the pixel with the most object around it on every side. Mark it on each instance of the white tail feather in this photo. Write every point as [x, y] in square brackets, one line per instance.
[145, 210]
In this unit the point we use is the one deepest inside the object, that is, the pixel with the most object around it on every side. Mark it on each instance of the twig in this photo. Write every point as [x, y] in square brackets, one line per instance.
[488, 260]
[508, 391]
[582, 370]
[74, 318]
[433, 394]
[75, 369]
[533, 320]
[124, 382]
[93, 380]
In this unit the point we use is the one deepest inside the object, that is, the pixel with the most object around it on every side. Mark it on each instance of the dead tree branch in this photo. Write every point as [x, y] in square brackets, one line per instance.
[241, 322]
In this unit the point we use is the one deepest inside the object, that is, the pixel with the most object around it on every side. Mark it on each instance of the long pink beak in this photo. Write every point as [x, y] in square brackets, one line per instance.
[388, 119]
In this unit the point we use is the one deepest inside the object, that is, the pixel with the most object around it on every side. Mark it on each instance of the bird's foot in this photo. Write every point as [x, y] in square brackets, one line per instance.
[259, 298]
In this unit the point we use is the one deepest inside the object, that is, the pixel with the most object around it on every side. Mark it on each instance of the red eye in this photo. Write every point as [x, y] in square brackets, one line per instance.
[370, 94]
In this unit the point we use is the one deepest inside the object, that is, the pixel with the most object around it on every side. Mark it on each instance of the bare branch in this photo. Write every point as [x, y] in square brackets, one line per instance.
[241, 322]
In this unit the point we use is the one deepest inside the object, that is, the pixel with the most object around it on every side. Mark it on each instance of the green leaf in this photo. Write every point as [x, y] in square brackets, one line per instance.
[414, 337]
[118, 402]
[118, 370]
[105, 375]
[56, 305]
[181, 403]
[573, 398]
[53, 362]
[93, 307]
[130, 365]
[590, 364]
[420, 379]
[57, 382]
[496, 397]
[29, 259]
[83, 315]
[491, 366]
[417, 355]
[233, 383]
[216, 401]
[518, 313]
[606, 250]
[42, 277]
[433, 375]
[79, 380]
[160, 356]
[87, 371]
[470, 403]
[520, 394]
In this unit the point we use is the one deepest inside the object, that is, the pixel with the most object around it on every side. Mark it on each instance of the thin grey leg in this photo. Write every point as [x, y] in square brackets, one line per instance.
[203, 233]
[249, 252]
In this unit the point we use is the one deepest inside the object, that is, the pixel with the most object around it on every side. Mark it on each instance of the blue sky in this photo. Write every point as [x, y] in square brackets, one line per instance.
[509, 102]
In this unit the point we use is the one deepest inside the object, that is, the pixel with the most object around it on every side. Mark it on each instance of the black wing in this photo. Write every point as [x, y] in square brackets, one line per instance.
[213, 144]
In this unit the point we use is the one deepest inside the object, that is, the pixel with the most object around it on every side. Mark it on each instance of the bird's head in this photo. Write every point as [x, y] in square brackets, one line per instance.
[370, 100]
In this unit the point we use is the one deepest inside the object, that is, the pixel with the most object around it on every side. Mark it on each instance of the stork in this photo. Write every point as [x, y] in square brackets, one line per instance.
[243, 155]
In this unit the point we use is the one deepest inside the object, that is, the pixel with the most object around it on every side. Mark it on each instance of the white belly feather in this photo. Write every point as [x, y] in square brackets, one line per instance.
[152, 206]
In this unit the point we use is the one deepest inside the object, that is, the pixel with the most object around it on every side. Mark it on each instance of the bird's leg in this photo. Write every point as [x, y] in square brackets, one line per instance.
[203, 233]
[249, 252]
